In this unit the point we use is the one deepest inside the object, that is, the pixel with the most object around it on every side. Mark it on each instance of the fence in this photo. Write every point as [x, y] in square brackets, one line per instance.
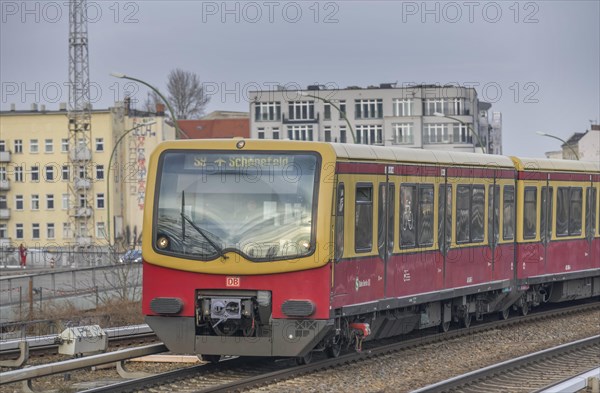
[53, 256]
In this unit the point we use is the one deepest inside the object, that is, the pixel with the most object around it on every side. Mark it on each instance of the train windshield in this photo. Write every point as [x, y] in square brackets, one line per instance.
[261, 205]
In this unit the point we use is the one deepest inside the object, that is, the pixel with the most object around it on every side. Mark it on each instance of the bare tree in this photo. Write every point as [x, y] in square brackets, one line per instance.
[152, 99]
[186, 94]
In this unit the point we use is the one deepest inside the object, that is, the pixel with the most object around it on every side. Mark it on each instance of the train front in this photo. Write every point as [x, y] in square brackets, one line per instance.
[236, 247]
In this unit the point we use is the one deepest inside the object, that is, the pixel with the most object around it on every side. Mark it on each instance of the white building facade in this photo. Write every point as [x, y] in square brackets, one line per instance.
[427, 117]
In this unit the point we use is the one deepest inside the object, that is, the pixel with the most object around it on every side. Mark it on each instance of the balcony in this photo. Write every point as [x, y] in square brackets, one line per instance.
[4, 185]
[82, 184]
[81, 153]
[4, 213]
[286, 120]
[82, 212]
[83, 240]
[4, 156]
[4, 242]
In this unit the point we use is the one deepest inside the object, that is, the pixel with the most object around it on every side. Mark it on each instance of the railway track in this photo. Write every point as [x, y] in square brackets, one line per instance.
[526, 373]
[245, 373]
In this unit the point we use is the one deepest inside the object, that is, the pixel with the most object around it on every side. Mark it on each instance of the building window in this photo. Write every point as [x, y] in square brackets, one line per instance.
[368, 109]
[50, 231]
[35, 231]
[261, 133]
[19, 205]
[65, 173]
[67, 230]
[99, 144]
[301, 110]
[64, 145]
[433, 105]
[49, 173]
[3, 203]
[2, 145]
[35, 202]
[100, 172]
[402, 133]
[267, 111]
[363, 229]
[342, 106]
[19, 174]
[50, 201]
[3, 173]
[18, 146]
[369, 134]
[300, 133]
[343, 134]
[327, 112]
[82, 200]
[33, 146]
[3, 231]
[452, 106]
[402, 107]
[436, 133]
[100, 200]
[19, 233]
[100, 230]
[275, 133]
[461, 134]
[48, 146]
[65, 201]
[327, 133]
[35, 173]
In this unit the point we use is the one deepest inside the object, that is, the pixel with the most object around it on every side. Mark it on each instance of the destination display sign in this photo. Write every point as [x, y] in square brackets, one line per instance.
[236, 161]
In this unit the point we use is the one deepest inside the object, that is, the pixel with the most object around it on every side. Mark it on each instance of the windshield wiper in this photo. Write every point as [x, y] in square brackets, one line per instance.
[214, 245]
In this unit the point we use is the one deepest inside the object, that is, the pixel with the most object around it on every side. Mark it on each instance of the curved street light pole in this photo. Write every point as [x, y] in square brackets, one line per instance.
[108, 179]
[562, 140]
[178, 130]
[336, 107]
[471, 130]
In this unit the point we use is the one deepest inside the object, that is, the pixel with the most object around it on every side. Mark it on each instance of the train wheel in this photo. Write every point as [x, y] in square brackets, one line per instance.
[211, 358]
[504, 314]
[334, 350]
[445, 326]
[467, 320]
[306, 359]
[525, 309]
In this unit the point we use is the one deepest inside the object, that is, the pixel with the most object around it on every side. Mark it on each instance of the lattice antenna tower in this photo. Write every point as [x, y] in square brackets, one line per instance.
[81, 204]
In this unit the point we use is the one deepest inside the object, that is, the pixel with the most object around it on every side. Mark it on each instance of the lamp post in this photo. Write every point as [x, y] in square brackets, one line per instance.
[178, 130]
[563, 141]
[325, 100]
[476, 135]
[108, 180]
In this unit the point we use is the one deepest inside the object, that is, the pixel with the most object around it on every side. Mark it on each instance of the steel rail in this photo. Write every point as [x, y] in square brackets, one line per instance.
[77, 364]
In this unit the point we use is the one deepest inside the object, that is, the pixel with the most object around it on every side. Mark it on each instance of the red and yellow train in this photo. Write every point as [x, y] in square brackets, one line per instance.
[282, 248]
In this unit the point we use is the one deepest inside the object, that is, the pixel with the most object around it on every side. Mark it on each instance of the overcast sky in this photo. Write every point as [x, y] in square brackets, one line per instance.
[537, 62]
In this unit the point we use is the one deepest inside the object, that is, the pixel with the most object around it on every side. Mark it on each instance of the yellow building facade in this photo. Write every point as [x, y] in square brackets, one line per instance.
[37, 178]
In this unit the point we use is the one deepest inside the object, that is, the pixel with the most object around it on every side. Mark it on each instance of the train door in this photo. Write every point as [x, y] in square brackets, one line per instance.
[444, 226]
[592, 255]
[494, 254]
[385, 230]
[546, 209]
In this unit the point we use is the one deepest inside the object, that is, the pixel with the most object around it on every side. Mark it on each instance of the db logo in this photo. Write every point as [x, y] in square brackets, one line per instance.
[232, 282]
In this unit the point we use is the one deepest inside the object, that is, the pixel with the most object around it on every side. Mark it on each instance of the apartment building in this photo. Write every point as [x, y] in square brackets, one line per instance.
[425, 116]
[36, 173]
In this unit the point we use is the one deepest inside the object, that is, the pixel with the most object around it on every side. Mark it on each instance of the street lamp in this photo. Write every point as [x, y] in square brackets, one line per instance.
[108, 180]
[555, 137]
[476, 135]
[173, 116]
[325, 100]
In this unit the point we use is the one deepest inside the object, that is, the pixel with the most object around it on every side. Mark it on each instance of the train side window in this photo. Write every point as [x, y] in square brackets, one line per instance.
[575, 210]
[445, 217]
[477, 213]
[339, 222]
[363, 228]
[562, 211]
[408, 225]
[508, 213]
[530, 213]
[493, 214]
[590, 212]
[462, 214]
[425, 220]
[546, 213]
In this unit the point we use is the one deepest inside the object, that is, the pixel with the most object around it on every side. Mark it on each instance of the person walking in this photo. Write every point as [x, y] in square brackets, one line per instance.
[23, 255]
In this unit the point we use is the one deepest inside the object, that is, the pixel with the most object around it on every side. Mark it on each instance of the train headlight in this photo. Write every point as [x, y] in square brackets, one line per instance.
[162, 242]
[240, 144]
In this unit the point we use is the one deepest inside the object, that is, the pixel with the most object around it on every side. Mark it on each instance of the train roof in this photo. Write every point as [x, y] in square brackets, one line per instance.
[539, 164]
[402, 154]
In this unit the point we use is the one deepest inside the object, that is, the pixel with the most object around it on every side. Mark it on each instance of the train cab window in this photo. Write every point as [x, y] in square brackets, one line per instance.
[339, 222]
[463, 228]
[530, 213]
[568, 211]
[425, 219]
[493, 214]
[445, 217]
[546, 214]
[508, 213]
[590, 212]
[408, 227]
[363, 229]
